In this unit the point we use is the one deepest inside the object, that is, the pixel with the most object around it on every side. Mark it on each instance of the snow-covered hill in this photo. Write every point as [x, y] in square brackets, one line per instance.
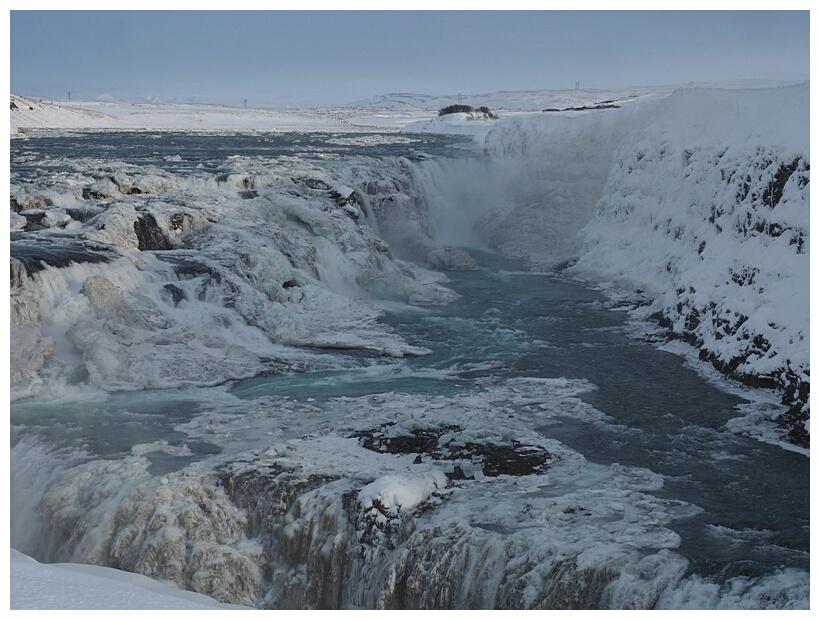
[32, 113]
[532, 100]
[379, 113]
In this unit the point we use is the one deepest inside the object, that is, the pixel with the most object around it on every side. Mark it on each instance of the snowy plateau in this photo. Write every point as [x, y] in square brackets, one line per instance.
[204, 252]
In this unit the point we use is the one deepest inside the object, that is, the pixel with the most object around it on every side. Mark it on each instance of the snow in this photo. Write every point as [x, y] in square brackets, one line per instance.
[83, 586]
[459, 123]
[403, 492]
[34, 113]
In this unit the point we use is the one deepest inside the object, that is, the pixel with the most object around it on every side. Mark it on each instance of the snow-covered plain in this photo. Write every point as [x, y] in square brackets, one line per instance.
[33, 113]
[694, 172]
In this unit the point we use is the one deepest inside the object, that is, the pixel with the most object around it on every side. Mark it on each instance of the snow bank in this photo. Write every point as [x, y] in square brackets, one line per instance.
[83, 586]
[29, 112]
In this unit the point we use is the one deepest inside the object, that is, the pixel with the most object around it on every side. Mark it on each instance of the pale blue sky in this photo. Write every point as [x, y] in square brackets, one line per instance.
[330, 58]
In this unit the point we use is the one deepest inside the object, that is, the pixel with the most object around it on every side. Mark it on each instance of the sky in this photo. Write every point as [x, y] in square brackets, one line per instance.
[326, 58]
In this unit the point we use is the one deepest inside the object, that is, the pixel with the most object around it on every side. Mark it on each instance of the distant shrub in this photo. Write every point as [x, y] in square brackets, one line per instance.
[467, 109]
[452, 109]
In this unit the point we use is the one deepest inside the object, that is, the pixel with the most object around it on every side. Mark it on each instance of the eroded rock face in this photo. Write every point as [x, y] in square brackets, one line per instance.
[744, 339]
[180, 528]
[718, 265]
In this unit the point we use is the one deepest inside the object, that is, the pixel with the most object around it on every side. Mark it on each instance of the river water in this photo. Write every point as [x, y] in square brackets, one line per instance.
[747, 502]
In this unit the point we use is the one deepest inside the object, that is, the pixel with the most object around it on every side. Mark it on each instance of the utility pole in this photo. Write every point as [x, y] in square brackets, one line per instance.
[69, 95]
[459, 99]
[577, 85]
[246, 103]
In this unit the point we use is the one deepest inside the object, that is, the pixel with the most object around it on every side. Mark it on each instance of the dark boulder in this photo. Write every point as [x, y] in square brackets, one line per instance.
[149, 234]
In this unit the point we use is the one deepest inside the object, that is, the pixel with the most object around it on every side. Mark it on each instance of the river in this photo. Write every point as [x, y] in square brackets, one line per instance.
[636, 437]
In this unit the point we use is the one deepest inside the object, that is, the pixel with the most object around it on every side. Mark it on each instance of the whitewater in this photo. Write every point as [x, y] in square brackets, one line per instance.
[543, 363]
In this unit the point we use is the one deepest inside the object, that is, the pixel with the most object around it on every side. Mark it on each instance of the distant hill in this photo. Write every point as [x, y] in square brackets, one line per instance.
[506, 100]
[28, 112]
[530, 100]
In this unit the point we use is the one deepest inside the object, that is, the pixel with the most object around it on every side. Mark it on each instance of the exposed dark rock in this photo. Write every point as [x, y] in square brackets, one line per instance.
[496, 459]
[794, 389]
[34, 220]
[82, 214]
[774, 190]
[599, 106]
[185, 268]
[176, 293]
[247, 194]
[314, 184]
[177, 221]
[90, 194]
[149, 234]
[266, 492]
[341, 200]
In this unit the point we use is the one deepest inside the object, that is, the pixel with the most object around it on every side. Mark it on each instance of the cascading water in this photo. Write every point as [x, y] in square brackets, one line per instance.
[340, 428]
